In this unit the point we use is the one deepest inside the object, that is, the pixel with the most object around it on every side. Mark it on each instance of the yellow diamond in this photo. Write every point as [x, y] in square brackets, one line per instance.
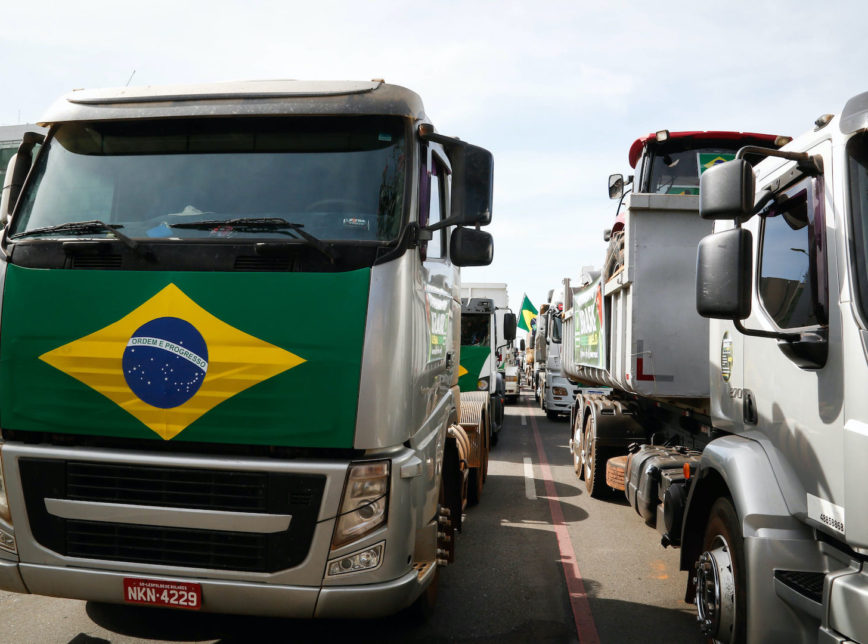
[461, 371]
[715, 161]
[236, 361]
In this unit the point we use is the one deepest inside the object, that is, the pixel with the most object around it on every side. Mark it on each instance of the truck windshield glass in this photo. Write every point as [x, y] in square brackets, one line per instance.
[474, 329]
[675, 171]
[342, 179]
[857, 150]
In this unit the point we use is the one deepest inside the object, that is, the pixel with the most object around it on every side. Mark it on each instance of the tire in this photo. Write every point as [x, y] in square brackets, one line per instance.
[723, 535]
[536, 391]
[595, 461]
[578, 462]
[551, 415]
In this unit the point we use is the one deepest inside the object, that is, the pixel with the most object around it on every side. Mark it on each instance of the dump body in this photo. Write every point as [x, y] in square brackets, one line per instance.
[630, 332]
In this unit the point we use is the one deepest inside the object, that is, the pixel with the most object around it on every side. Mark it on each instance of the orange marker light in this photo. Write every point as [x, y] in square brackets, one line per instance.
[686, 471]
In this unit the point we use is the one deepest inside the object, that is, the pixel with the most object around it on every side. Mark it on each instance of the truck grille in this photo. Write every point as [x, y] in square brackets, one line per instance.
[298, 495]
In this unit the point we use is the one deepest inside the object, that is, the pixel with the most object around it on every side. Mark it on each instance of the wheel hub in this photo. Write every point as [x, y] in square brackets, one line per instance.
[715, 593]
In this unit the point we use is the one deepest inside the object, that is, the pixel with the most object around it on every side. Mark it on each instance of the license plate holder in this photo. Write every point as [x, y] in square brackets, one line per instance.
[158, 592]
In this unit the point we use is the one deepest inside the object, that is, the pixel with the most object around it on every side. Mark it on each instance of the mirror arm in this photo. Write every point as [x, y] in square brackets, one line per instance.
[777, 335]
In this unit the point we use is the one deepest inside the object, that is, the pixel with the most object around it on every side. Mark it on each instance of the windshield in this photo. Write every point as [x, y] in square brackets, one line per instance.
[857, 150]
[342, 179]
[474, 329]
[676, 171]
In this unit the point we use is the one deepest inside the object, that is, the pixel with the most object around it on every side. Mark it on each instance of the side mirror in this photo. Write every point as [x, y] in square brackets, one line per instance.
[16, 173]
[472, 180]
[509, 325]
[521, 345]
[472, 184]
[5, 201]
[616, 186]
[723, 274]
[607, 234]
[726, 191]
[471, 247]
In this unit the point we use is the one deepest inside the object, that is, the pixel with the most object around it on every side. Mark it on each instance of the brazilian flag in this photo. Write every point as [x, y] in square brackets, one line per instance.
[527, 314]
[198, 356]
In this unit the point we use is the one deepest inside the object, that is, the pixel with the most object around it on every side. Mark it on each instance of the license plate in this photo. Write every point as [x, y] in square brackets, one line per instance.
[155, 592]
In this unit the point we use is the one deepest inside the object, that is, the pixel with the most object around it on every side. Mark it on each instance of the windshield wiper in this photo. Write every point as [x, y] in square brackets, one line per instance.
[81, 228]
[261, 224]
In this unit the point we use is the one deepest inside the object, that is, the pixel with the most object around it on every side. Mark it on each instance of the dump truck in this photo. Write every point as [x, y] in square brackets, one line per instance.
[229, 348]
[633, 327]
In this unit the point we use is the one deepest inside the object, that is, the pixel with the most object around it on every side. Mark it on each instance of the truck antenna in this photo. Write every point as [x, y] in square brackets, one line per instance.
[130, 78]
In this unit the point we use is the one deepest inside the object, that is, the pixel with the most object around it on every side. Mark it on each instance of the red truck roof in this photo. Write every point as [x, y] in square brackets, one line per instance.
[638, 144]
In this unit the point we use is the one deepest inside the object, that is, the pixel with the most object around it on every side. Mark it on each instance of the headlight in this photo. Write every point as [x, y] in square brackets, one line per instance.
[365, 501]
[559, 391]
[482, 384]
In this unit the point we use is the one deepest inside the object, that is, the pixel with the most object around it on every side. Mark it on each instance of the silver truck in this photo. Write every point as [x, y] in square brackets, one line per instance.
[229, 348]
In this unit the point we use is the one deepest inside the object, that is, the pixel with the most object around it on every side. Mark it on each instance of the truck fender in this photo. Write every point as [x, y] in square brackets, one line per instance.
[615, 421]
[739, 468]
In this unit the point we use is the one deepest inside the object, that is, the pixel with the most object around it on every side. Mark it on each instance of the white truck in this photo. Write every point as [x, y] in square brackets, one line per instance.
[704, 479]
[505, 353]
[229, 348]
[555, 391]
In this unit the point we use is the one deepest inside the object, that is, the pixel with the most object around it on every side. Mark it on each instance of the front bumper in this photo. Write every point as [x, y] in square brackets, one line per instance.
[224, 596]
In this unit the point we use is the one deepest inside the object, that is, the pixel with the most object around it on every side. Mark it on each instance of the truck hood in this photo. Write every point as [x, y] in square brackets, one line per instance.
[244, 358]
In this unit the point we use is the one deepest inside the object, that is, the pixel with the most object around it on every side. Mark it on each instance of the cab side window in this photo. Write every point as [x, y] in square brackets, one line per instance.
[434, 202]
[786, 287]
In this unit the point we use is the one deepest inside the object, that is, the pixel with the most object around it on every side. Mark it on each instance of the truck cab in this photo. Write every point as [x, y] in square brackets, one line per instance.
[228, 348]
[556, 392]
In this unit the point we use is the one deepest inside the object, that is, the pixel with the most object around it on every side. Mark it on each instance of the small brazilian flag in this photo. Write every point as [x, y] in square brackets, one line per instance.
[527, 314]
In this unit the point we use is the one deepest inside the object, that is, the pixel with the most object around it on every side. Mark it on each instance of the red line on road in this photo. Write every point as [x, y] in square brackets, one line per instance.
[586, 629]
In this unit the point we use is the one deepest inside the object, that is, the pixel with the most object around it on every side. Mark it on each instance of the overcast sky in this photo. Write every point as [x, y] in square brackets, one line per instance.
[556, 90]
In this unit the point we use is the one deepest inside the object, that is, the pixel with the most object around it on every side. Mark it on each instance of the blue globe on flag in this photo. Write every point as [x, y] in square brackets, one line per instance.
[165, 362]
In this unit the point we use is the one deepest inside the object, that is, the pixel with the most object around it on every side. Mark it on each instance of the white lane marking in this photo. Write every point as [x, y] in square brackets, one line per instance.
[529, 480]
[524, 421]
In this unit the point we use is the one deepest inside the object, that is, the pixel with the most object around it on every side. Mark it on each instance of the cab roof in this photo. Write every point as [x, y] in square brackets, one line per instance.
[747, 137]
[239, 98]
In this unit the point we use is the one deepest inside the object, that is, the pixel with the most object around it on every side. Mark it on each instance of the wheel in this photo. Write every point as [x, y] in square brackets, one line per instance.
[578, 462]
[536, 392]
[720, 577]
[551, 415]
[595, 461]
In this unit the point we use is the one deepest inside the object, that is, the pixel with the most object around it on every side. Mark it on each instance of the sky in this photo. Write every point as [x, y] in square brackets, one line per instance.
[556, 90]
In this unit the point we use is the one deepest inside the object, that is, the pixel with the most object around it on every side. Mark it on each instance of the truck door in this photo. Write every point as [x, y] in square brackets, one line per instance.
[794, 397]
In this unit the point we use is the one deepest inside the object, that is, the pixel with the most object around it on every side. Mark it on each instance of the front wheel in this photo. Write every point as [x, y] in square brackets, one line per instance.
[720, 577]
[551, 415]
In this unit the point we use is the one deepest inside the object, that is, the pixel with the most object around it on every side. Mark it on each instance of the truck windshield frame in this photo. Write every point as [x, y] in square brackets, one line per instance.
[857, 180]
[343, 179]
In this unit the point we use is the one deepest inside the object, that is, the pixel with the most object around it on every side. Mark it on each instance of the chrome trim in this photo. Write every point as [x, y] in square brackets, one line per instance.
[191, 518]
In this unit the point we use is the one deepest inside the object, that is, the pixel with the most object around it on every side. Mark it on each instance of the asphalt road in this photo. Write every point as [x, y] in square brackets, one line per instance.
[538, 561]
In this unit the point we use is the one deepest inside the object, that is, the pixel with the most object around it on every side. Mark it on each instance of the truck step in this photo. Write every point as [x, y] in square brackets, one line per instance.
[802, 589]
[616, 472]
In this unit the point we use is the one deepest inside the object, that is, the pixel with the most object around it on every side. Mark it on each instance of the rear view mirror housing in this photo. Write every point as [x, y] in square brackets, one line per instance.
[472, 180]
[521, 345]
[726, 191]
[509, 326]
[19, 166]
[723, 274]
[471, 247]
